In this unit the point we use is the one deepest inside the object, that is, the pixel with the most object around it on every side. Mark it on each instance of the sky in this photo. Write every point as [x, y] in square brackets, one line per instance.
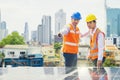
[17, 12]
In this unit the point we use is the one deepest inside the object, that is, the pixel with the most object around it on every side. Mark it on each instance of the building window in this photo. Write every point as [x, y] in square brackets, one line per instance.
[22, 54]
[12, 54]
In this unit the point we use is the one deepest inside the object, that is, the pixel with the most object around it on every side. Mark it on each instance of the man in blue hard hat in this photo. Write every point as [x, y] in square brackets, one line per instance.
[71, 37]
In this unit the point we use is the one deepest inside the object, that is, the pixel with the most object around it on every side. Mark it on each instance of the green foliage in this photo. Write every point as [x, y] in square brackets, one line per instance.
[13, 39]
[2, 55]
[57, 55]
[109, 63]
[44, 56]
[2, 44]
[57, 47]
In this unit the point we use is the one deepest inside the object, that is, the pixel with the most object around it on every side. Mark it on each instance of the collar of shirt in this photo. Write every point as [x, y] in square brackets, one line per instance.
[92, 32]
[74, 27]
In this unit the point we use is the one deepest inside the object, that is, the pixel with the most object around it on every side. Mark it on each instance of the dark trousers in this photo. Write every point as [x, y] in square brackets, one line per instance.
[95, 61]
[70, 60]
[70, 65]
[95, 64]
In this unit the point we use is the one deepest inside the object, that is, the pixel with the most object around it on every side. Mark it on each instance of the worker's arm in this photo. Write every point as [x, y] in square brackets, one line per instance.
[100, 48]
[64, 31]
[85, 34]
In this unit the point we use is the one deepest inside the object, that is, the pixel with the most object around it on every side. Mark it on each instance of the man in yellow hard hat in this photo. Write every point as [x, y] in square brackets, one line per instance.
[97, 42]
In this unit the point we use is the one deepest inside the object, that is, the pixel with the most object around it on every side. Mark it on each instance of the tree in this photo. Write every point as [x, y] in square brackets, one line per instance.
[13, 39]
[57, 47]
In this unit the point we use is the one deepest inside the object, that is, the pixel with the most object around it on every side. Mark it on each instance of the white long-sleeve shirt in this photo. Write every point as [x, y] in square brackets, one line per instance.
[100, 43]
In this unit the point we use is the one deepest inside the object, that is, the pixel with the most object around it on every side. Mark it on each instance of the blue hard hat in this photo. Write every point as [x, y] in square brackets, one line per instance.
[76, 15]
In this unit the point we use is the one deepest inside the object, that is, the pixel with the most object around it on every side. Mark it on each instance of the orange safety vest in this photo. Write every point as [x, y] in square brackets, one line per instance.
[94, 45]
[71, 41]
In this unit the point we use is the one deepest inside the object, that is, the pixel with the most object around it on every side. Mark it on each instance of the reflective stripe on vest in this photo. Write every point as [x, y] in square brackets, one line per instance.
[72, 31]
[94, 54]
[71, 44]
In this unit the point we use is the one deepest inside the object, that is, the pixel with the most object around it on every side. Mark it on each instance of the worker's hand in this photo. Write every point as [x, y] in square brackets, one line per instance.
[59, 35]
[88, 55]
[99, 64]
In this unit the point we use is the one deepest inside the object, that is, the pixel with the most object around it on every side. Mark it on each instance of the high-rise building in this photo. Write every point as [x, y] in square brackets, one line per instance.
[52, 37]
[3, 30]
[60, 20]
[108, 30]
[46, 24]
[40, 34]
[113, 21]
[34, 36]
[3, 25]
[3, 33]
[26, 33]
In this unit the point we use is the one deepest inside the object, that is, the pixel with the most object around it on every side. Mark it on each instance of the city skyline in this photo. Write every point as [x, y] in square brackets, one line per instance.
[16, 13]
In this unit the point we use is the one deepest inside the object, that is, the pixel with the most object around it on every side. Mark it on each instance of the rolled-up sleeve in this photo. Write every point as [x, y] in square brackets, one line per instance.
[65, 30]
[100, 46]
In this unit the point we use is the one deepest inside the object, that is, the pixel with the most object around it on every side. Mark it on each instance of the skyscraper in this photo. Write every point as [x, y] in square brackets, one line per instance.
[3, 30]
[3, 33]
[3, 25]
[34, 36]
[108, 30]
[113, 21]
[26, 33]
[40, 34]
[60, 20]
[46, 24]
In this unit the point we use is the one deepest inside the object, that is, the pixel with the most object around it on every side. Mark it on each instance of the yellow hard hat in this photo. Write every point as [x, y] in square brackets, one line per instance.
[90, 17]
